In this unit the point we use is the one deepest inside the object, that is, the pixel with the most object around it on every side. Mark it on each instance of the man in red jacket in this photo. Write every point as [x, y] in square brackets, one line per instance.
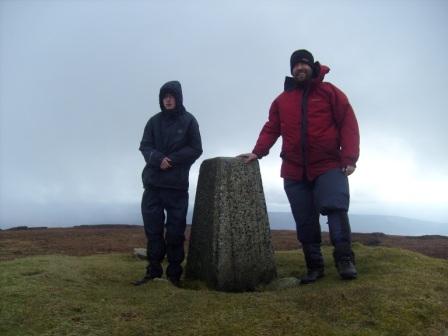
[320, 149]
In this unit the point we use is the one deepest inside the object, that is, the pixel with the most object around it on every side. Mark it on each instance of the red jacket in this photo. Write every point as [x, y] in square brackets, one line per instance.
[319, 132]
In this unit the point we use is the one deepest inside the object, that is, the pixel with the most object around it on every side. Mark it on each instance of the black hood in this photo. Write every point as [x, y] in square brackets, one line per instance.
[175, 89]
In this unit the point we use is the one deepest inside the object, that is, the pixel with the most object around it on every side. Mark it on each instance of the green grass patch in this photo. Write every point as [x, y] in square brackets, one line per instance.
[397, 293]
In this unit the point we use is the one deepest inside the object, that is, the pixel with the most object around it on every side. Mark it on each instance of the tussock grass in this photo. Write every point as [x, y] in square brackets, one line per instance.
[397, 293]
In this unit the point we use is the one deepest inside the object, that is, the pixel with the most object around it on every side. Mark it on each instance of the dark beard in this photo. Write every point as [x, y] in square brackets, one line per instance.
[303, 83]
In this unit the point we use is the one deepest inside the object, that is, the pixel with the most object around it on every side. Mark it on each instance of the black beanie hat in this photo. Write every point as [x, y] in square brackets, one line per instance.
[303, 56]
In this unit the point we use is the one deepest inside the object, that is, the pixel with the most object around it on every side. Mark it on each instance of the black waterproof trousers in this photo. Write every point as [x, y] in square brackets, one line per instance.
[164, 215]
[328, 195]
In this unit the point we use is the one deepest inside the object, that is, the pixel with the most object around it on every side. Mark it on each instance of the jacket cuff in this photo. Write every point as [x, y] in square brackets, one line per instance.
[348, 162]
[156, 158]
[258, 153]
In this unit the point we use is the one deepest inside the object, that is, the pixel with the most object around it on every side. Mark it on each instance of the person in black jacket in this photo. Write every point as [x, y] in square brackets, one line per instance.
[171, 144]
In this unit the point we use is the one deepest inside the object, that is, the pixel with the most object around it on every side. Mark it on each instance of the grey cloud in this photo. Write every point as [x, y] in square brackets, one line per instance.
[79, 79]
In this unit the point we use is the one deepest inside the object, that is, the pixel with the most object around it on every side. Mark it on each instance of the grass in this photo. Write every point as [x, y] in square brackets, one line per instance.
[397, 293]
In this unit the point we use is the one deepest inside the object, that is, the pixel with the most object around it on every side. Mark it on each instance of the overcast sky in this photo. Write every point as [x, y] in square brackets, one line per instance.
[79, 79]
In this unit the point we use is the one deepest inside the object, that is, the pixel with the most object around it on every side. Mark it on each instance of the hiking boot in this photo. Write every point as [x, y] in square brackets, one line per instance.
[344, 259]
[314, 263]
[175, 281]
[312, 275]
[346, 268]
[144, 280]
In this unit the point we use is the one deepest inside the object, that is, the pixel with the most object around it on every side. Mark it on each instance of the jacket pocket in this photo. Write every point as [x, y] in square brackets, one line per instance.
[324, 150]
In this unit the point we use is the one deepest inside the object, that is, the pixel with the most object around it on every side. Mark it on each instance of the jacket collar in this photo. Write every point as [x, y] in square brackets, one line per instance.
[291, 84]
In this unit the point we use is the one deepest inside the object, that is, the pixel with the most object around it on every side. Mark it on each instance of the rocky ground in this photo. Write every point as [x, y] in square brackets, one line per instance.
[88, 240]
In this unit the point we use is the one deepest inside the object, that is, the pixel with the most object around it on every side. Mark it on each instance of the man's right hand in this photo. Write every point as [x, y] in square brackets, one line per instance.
[166, 163]
[248, 157]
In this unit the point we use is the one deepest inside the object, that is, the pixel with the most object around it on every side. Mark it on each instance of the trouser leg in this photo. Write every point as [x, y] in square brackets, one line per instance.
[339, 227]
[313, 256]
[340, 235]
[176, 205]
[304, 211]
[153, 219]
[331, 192]
[306, 216]
[332, 197]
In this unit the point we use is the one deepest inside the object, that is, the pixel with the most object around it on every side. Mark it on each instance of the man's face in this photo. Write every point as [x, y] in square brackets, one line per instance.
[169, 102]
[302, 72]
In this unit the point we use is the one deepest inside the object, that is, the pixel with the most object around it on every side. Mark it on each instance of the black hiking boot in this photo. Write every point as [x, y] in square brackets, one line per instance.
[175, 281]
[312, 275]
[154, 270]
[145, 279]
[346, 268]
[344, 259]
[314, 263]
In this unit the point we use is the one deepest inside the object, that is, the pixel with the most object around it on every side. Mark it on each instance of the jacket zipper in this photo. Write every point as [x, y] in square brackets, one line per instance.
[304, 129]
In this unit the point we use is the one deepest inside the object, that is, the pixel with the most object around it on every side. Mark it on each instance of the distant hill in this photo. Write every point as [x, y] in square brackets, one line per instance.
[393, 225]
[130, 213]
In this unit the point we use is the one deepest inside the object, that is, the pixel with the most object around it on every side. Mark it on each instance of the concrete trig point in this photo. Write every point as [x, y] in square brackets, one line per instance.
[230, 245]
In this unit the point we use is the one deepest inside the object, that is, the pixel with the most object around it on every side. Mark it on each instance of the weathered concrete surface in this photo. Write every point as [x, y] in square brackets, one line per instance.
[230, 245]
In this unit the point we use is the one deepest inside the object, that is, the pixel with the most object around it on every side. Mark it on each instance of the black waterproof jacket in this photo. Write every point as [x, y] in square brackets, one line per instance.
[173, 134]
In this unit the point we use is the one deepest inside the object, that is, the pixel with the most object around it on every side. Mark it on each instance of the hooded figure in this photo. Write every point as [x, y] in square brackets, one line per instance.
[171, 143]
[174, 134]
[175, 89]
